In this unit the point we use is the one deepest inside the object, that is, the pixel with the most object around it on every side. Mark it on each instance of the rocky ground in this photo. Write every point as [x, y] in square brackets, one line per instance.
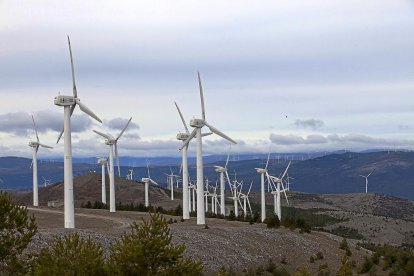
[378, 218]
[225, 243]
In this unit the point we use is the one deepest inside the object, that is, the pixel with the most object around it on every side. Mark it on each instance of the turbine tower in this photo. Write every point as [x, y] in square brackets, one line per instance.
[103, 162]
[35, 147]
[262, 188]
[198, 124]
[112, 142]
[366, 181]
[221, 171]
[69, 103]
[147, 181]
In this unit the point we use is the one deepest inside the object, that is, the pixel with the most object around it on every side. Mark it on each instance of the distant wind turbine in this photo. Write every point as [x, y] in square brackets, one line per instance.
[366, 181]
[35, 147]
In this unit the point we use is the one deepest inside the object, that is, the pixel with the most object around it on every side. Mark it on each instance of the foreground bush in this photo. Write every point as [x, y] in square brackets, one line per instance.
[148, 250]
[70, 255]
[16, 231]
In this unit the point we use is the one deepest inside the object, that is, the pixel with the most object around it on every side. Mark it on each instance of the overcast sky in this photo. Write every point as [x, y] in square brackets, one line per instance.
[305, 75]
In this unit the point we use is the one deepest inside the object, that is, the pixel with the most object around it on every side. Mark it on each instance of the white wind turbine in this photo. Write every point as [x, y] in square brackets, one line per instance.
[69, 103]
[35, 147]
[112, 142]
[192, 198]
[198, 124]
[184, 165]
[246, 201]
[46, 182]
[214, 200]
[222, 171]
[104, 163]
[147, 181]
[171, 178]
[263, 172]
[366, 181]
[234, 188]
[277, 188]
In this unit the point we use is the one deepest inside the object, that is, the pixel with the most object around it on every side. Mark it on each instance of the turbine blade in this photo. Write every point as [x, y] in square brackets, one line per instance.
[102, 134]
[228, 156]
[250, 188]
[285, 172]
[182, 118]
[34, 124]
[75, 92]
[45, 146]
[149, 176]
[153, 182]
[87, 110]
[120, 134]
[250, 207]
[203, 112]
[37, 148]
[268, 157]
[117, 158]
[186, 142]
[206, 134]
[72, 108]
[219, 133]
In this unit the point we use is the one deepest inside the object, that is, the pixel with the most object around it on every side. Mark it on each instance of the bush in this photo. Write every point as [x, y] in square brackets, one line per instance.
[366, 265]
[148, 250]
[302, 271]
[272, 221]
[319, 255]
[70, 255]
[16, 231]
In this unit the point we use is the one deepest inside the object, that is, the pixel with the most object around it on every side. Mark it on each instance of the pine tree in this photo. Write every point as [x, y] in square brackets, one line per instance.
[148, 250]
[16, 231]
[70, 255]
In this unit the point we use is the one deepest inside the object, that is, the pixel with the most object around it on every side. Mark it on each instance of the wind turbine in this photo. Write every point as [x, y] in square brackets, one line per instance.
[170, 182]
[112, 142]
[246, 201]
[147, 181]
[69, 103]
[184, 164]
[46, 182]
[262, 172]
[366, 181]
[221, 171]
[103, 162]
[198, 124]
[277, 184]
[35, 147]
[236, 195]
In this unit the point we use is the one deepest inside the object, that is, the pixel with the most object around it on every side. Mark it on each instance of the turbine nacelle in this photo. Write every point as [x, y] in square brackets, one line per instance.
[197, 123]
[33, 144]
[102, 161]
[110, 142]
[259, 170]
[182, 136]
[220, 169]
[61, 100]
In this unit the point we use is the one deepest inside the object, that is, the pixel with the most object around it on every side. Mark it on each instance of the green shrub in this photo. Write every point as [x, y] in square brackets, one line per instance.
[148, 250]
[272, 221]
[16, 231]
[365, 266]
[70, 255]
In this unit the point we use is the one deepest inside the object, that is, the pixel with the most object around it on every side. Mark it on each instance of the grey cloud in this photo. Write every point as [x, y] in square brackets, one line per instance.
[20, 123]
[119, 123]
[296, 140]
[310, 123]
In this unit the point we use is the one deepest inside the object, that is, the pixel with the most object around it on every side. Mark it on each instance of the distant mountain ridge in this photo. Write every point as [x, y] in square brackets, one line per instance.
[335, 173]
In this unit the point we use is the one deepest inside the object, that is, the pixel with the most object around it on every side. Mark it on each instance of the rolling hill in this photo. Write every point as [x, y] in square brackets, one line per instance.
[335, 173]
